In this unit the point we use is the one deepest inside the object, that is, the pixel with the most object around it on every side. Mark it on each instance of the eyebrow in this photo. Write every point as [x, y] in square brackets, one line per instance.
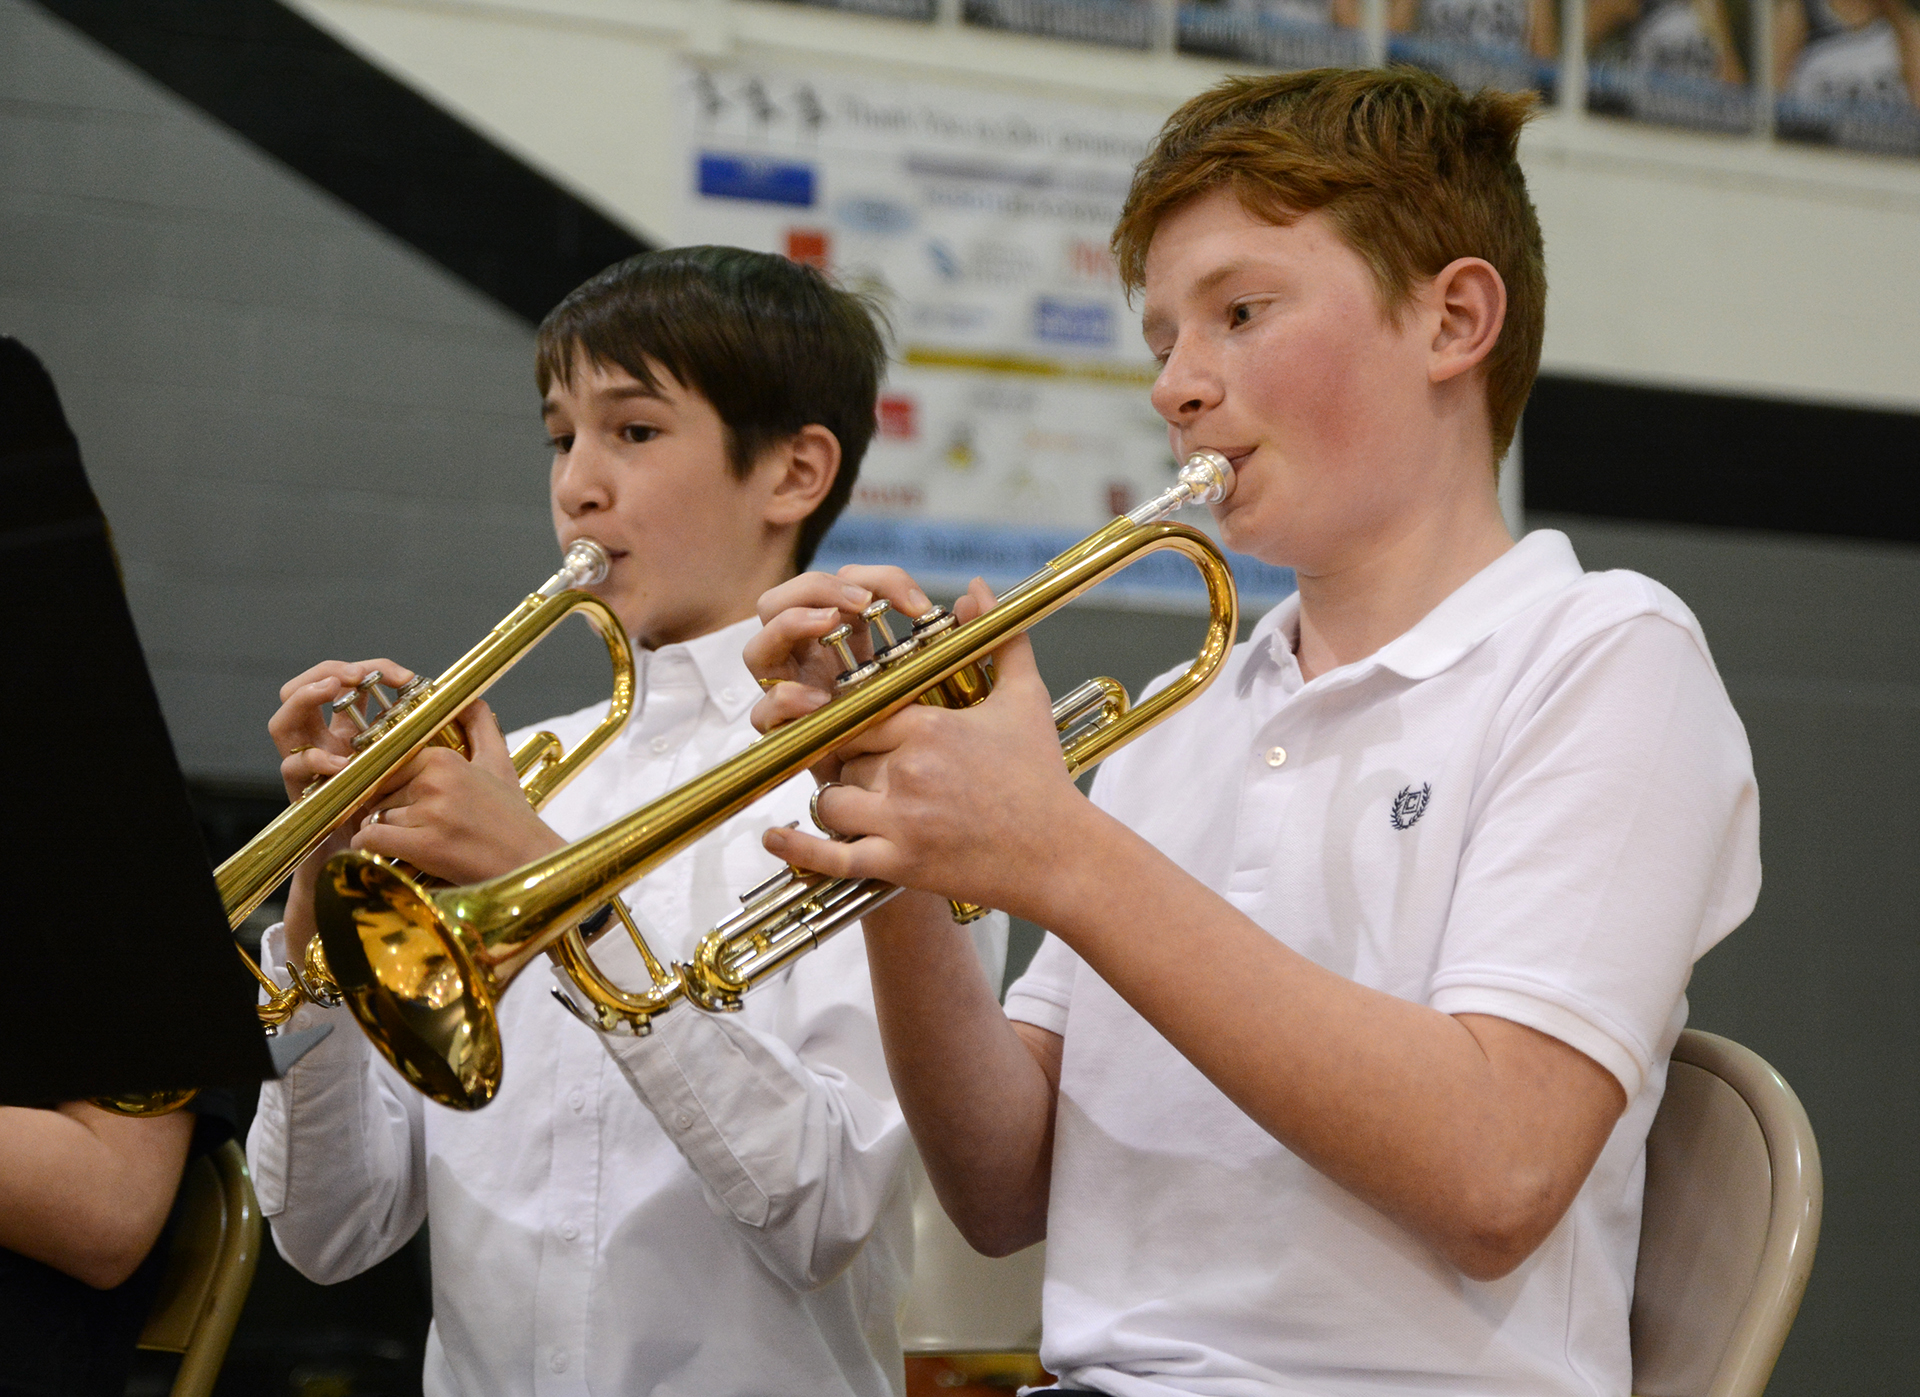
[1154, 321]
[622, 394]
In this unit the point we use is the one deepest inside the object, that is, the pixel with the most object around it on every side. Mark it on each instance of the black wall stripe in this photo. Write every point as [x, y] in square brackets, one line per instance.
[367, 139]
[1710, 458]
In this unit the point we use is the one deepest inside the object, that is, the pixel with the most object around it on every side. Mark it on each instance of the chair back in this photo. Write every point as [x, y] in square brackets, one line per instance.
[209, 1270]
[1729, 1225]
[968, 1319]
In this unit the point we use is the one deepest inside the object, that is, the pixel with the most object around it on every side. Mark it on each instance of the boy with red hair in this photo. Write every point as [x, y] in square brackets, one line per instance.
[1335, 1071]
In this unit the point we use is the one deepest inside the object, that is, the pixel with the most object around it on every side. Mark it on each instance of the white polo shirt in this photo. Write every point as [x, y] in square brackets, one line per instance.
[1539, 804]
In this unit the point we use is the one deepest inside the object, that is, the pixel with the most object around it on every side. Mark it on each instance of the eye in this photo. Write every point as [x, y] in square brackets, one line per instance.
[561, 442]
[639, 433]
[1239, 313]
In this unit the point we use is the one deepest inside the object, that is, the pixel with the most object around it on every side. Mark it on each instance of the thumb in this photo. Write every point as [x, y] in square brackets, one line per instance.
[486, 744]
[1015, 666]
[978, 598]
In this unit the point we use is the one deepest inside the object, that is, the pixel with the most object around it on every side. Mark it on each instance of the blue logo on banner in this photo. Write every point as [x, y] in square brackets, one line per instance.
[765, 181]
[1072, 322]
[877, 216]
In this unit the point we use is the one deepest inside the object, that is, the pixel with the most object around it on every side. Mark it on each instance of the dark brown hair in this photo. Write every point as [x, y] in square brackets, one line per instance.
[1412, 171]
[773, 345]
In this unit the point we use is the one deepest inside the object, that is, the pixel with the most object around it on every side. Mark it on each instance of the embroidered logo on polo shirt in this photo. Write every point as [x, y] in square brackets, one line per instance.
[1410, 805]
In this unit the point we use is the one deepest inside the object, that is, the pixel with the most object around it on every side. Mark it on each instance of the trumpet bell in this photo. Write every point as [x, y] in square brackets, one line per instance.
[420, 986]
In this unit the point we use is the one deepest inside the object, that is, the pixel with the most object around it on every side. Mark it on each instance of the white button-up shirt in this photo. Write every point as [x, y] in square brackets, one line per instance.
[718, 1208]
[1536, 804]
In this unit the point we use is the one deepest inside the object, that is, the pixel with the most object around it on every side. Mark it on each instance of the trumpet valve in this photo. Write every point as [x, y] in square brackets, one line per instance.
[840, 641]
[355, 701]
[938, 621]
[886, 648]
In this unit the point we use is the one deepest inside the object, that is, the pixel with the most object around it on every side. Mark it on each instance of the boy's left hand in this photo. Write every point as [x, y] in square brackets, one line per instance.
[458, 819]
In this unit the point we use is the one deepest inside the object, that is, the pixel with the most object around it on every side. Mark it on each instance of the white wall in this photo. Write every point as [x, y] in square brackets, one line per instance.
[1718, 262]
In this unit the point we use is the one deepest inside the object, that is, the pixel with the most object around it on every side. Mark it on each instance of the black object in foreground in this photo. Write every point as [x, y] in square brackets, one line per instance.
[117, 969]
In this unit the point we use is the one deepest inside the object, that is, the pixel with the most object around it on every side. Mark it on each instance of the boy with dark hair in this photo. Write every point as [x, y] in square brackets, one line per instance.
[1334, 1074]
[721, 1205]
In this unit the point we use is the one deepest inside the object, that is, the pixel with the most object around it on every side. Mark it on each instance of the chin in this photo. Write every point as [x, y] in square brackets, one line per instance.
[1243, 534]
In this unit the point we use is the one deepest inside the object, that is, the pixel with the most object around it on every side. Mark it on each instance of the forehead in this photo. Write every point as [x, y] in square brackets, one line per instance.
[1213, 246]
[591, 380]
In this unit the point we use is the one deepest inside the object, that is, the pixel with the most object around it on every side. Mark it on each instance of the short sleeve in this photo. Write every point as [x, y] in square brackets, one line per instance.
[1042, 995]
[1617, 840]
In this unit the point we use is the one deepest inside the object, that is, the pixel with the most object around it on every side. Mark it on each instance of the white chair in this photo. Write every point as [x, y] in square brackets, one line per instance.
[969, 1321]
[1731, 1218]
[1728, 1230]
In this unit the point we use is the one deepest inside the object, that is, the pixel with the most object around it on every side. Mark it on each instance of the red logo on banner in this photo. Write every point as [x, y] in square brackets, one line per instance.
[807, 246]
[897, 413]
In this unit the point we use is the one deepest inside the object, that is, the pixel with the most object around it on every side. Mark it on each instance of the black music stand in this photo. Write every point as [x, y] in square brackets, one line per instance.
[117, 969]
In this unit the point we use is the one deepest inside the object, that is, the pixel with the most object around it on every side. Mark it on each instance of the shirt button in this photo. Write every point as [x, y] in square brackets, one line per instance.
[558, 1360]
[684, 1121]
[659, 744]
[577, 1099]
[729, 695]
[569, 1231]
[1276, 756]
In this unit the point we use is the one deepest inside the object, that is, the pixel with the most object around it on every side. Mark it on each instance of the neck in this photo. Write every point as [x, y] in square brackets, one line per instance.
[1379, 591]
[661, 636]
[726, 595]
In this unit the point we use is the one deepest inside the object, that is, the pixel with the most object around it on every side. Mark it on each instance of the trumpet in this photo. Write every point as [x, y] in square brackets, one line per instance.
[390, 730]
[422, 970]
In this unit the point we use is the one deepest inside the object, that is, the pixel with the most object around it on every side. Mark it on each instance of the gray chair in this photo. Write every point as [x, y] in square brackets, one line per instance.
[1727, 1234]
[209, 1270]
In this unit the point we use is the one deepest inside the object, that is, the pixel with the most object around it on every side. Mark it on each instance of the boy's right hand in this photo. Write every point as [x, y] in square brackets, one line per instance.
[313, 743]
[787, 658]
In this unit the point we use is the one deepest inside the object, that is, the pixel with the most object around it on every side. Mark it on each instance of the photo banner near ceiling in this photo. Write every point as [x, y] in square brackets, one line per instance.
[1015, 419]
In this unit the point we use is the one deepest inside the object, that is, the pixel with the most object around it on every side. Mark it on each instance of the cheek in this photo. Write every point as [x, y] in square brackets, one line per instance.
[1321, 388]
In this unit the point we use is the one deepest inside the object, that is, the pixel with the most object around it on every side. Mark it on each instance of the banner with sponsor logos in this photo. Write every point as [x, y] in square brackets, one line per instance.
[1016, 417]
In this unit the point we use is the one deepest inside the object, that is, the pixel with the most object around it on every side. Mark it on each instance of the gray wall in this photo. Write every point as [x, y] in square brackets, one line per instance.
[1817, 642]
[310, 442]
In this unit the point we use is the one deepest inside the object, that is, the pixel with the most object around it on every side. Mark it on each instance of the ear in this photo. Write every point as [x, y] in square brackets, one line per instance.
[1471, 302]
[800, 470]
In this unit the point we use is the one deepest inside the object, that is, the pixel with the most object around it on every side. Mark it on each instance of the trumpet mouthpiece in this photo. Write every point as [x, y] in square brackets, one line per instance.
[1208, 477]
[585, 564]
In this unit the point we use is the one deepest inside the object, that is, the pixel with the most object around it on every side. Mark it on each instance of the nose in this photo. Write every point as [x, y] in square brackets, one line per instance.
[1188, 385]
[582, 483]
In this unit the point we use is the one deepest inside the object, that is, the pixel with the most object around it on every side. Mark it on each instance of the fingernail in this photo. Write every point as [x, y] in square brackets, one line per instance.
[859, 596]
[917, 599]
[817, 698]
[826, 613]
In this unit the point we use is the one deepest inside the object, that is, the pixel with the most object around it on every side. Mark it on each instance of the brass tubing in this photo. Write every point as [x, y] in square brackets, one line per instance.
[245, 880]
[269, 857]
[423, 970]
